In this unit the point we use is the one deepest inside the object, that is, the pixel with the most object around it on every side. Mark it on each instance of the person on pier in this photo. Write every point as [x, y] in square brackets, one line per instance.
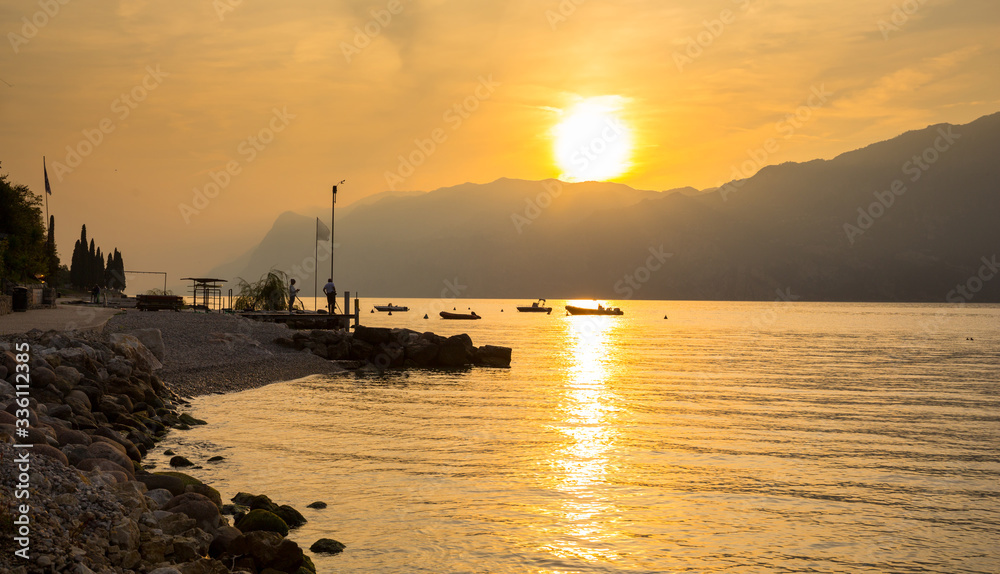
[292, 290]
[331, 295]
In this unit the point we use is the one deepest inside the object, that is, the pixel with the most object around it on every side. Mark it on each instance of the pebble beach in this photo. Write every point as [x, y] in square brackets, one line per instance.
[208, 353]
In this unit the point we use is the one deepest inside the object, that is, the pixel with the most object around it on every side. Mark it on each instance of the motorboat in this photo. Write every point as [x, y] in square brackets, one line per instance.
[466, 316]
[390, 307]
[601, 310]
[536, 307]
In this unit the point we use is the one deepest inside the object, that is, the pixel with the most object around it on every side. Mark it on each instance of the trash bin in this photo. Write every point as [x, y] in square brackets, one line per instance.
[20, 299]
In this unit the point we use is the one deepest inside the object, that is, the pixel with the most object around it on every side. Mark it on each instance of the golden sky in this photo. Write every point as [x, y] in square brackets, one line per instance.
[293, 96]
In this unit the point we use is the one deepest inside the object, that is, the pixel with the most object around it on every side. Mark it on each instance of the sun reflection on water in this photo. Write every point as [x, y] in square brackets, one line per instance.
[586, 514]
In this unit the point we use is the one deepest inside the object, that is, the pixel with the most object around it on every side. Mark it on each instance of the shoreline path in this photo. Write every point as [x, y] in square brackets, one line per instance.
[203, 353]
[62, 318]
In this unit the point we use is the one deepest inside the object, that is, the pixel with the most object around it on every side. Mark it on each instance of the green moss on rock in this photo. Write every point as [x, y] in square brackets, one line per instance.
[262, 520]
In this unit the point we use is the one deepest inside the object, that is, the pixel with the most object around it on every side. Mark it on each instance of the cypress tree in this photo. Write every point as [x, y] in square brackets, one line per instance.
[92, 277]
[52, 253]
[99, 269]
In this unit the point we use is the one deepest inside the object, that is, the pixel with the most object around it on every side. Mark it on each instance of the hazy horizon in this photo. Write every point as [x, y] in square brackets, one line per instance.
[160, 100]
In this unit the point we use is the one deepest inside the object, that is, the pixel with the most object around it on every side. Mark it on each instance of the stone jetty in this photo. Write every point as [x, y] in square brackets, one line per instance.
[381, 348]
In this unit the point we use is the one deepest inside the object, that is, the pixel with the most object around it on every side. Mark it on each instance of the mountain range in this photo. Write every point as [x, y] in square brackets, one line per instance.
[913, 218]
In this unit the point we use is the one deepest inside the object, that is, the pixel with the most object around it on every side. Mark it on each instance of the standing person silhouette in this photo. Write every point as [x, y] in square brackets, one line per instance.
[331, 295]
[292, 290]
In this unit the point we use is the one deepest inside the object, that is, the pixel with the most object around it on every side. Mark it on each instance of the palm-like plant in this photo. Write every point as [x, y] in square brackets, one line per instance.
[269, 293]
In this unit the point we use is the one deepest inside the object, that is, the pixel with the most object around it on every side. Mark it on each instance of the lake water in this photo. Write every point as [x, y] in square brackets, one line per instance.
[729, 437]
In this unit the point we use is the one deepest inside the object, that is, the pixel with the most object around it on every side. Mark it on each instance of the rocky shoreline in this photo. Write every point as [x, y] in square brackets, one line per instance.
[98, 402]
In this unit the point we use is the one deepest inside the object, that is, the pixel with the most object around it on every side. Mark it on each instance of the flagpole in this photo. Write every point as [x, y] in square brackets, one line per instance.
[316, 273]
[333, 226]
[47, 193]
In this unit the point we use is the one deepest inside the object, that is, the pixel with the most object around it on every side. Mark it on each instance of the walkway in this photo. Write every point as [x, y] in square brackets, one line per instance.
[62, 318]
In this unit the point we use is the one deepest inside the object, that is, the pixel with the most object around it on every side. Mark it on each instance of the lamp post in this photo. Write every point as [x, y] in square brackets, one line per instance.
[333, 225]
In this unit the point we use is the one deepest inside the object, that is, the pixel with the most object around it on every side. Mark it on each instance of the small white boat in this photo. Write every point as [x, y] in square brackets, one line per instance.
[390, 307]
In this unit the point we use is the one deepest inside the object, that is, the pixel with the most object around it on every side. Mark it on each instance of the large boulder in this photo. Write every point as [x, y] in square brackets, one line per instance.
[100, 449]
[255, 501]
[455, 352]
[361, 350]
[327, 546]
[492, 356]
[153, 340]
[262, 520]
[42, 377]
[269, 550]
[293, 518]
[69, 374]
[157, 481]
[133, 349]
[105, 465]
[421, 353]
[197, 506]
[372, 335]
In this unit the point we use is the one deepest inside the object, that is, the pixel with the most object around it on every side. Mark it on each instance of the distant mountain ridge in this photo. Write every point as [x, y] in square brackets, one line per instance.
[907, 219]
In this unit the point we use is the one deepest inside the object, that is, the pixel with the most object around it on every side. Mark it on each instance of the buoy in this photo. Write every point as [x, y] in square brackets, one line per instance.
[664, 316]
[454, 308]
[372, 311]
[425, 316]
[390, 313]
[501, 310]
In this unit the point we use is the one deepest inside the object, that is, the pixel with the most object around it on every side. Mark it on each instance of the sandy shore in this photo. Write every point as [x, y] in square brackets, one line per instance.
[213, 353]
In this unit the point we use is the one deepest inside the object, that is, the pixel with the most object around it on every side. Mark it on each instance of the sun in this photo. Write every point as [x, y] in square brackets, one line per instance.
[592, 143]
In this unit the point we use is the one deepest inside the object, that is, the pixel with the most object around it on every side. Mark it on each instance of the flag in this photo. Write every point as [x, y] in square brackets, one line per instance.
[48, 189]
[322, 231]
